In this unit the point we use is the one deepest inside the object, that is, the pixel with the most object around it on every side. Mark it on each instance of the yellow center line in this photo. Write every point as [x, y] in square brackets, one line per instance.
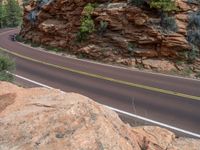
[154, 89]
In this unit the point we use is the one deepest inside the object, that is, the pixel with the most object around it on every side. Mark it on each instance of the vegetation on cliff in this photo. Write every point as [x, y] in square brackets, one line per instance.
[129, 32]
[87, 23]
[10, 14]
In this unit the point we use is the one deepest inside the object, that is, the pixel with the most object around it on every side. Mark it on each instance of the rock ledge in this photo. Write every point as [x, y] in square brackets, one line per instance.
[44, 119]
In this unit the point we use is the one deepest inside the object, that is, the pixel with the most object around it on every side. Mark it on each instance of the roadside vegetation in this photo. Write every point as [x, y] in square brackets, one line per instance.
[10, 14]
[7, 66]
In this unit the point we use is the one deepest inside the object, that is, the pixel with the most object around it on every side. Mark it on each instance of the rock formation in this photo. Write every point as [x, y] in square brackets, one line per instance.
[40, 118]
[122, 32]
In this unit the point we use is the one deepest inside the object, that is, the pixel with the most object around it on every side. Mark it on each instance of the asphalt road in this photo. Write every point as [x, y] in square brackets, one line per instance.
[179, 111]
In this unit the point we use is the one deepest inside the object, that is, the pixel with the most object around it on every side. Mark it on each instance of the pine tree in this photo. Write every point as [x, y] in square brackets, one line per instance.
[13, 12]
[2, 15]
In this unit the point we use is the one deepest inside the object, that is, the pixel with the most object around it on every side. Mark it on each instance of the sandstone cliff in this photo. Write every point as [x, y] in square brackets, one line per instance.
[44, 119]
[123, 32]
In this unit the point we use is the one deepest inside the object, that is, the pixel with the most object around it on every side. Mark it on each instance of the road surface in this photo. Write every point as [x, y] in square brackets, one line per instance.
[170, 100]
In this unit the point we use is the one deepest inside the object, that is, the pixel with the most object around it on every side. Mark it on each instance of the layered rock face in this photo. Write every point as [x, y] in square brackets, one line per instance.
[44, 119]
[130, 32]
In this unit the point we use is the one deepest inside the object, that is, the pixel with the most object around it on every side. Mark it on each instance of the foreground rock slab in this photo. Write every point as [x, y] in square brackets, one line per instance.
[44, 119]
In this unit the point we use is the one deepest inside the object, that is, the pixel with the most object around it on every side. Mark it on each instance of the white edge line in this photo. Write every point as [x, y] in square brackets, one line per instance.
[37, 83]
[155, 122]
[123, 112]
[103, 64]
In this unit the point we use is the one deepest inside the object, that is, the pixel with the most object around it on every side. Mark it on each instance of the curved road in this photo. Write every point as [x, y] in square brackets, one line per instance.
[128, 90]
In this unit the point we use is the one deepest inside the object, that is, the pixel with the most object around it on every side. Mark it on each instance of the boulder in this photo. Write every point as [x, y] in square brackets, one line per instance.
[49, 119]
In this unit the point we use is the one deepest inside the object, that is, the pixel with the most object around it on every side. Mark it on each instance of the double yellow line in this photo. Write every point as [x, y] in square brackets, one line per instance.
[106, 78]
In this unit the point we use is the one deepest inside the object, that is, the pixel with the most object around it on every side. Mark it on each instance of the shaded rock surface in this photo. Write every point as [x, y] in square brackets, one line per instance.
[44, 119]
[130, 32]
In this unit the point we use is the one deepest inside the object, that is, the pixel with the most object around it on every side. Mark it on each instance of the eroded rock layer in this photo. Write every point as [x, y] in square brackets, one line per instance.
[130, 32]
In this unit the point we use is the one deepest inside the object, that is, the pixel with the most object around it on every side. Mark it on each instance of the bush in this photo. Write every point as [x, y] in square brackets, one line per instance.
[27, 42]
[86, 28]
[6, 66]
[194, 21]
[19, 38]
[35, 44]
[131, 47]
[51, 48]
[169, 24]
[10, 13]
[103, 27]
[163, 5]
[88, 10]
[137, 2]
[193, 35]
[197, 75]
[87, 23]
[193, 54]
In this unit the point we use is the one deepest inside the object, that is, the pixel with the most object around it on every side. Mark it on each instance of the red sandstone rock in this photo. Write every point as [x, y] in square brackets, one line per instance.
[58, 23]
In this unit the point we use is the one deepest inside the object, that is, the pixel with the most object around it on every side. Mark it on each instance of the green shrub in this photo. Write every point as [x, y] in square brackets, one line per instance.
[139, 66]
[187, 71]
[19, 38]
[137, 2]
[131, 46]
[10, 14]
[86, 28]
[197, 75]
[193, 54]
[179, 63]
[6, 66]
[103, 27]
[163, 5]
[51, 48]
[87, 24]
[88, 10]
[193, 34]
[194, 20]
[35, 44]
[27, 42]
[169, 24]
